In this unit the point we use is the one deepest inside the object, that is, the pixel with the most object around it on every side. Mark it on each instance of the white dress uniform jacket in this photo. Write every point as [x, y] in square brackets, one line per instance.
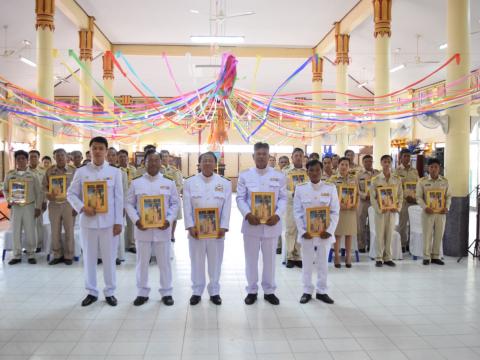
[200, 191]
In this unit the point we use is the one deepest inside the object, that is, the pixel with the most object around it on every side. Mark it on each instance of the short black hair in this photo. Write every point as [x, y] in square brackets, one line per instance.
[260, 145]
[122, 151]
[405, 151]
[20, 153]
[59, 150]
[314, 155]
[314, 162]
[386, 156]
[46, 157]
[34, 152]
[297, 149]
[272, 156]
[284, 157]
[347, 151]
[76, 152]
[327, 157]
[98, 140]
[208, 153]
[432, 161]
[344, 158]
[150, 152]
[335, 155]
[112, 148]
[149, 146]
[87, 152]
[368, 156]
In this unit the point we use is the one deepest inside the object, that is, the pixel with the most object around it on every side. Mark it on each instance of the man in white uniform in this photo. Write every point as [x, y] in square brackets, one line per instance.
[315, 247]
[99, 229]
[206, 190]
[156, 240]
[257, 236]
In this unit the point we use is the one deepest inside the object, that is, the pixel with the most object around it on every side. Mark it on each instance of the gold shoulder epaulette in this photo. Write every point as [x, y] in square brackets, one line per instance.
[115, 166]
[188, 177]
[226, 178]
[136, 177]
[168, 177]
[301, 184]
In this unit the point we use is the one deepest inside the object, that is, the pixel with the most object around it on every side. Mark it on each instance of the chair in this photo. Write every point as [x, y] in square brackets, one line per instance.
[416, 232]
[396, 239]
[342, 249]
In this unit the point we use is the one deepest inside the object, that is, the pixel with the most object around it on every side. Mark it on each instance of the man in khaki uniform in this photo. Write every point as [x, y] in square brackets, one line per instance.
[354, 168]
[60, 212]
[77, 158]
[172, 173]
[385, 218]
[25, 204]
[364, 177]
[131, 174]
[327, 172]
[407, 174]
[39, 172]
[294, 254]
[283, 162]
[335, 160]
[434, 215]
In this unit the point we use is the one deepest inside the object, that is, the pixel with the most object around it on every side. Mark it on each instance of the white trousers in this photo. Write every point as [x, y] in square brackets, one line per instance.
[213, 251]
[92, 241]
[315, 256]
[252, 246]
[161, 250]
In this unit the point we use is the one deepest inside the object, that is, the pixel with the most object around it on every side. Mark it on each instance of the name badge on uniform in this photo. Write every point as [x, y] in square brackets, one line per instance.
[324, 194]
[274, 179]
[108, 178]
[219, 187]
[164, 187]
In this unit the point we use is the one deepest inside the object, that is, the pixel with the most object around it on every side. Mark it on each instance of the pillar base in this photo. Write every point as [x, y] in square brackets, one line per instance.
[455, 238]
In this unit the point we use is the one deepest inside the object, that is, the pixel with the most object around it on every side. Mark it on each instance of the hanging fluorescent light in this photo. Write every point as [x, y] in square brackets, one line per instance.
[443, 46]
[396, 68]
[194, 11]
[362, 84]
[28, 62]
[217, 39]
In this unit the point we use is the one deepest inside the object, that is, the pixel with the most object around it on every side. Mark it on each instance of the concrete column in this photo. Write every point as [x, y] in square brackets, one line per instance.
[342, 60]
[45, 11]
[457, 147]
[317, 80]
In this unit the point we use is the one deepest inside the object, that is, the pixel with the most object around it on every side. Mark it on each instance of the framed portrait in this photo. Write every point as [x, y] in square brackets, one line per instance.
[152, 211]
[387, 197]
[57, 186]
[18, 191]
[296, 178]
[436, 200]
[263, 205]
[318, 219]
[138, 158]
[207, 222]
[347, 195]
[95, 195]
[367, 183]
[410, 188]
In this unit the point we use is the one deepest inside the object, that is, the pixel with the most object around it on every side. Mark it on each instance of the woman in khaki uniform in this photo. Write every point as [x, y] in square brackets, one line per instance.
[347, 224]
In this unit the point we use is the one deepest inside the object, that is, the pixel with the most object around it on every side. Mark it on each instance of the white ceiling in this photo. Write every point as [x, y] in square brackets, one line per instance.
[276, 23]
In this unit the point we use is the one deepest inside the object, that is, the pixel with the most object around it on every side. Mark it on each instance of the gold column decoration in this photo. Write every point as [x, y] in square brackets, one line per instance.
[45, 11]
[382, 16]
[317, 68]
[107, 67]
[341, 46]
[86, 41]
[125, 100]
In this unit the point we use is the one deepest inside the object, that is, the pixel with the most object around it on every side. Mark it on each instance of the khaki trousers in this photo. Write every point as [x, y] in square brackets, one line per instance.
[384, 227]
[291, 233]
[61, 214]
[363, 230]
[433, 226]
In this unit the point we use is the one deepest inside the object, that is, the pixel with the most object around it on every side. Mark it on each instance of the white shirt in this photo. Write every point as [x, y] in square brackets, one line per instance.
[147, 185]
[113, 177]
[263, 180]
[200, 191]
[311, 195]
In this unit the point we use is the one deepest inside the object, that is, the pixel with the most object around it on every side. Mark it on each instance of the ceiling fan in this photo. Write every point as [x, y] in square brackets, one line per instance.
[220, 14]
[417, 60]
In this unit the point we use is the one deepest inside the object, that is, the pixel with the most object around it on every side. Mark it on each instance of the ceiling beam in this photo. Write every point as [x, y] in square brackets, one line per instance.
[356, 16]
[238, 51]
[79, 18]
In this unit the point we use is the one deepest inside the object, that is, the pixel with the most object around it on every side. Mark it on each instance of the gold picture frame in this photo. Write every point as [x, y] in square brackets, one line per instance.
[152, 211]
[57, 186]
[17, 192]
[367, 183]
[347, 195]
[95, 195]
[387, 197]
[296, 178]
[207, 222]
[410, 188]
[318, 220]
[435, 200]
[263, 205]
[138, 158]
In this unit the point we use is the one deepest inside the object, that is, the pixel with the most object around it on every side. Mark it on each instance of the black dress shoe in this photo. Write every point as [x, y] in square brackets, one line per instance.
[389, 263]
[250, 299]
[140, 300]
[132, 250]
[168, 300]
[348, 266]
[99, 261]
[325, 298]
[32, 261]
[68, 261]
[426, 262]
[89, 300]
[118, 261]
[172, 240]
[305, 298]
[216, 299]
[299, 263]
[362, 251]
[338, 266]
[56, 261]
[290, 264]
[438, 262]
[272, 299]
[14, 261]
[378, 264]
[404, 249]
[279, 251]
[195, 299]
[111, 300]
[37, 250]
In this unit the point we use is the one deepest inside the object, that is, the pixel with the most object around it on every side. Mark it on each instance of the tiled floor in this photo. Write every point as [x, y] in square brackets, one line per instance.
[409, 312]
